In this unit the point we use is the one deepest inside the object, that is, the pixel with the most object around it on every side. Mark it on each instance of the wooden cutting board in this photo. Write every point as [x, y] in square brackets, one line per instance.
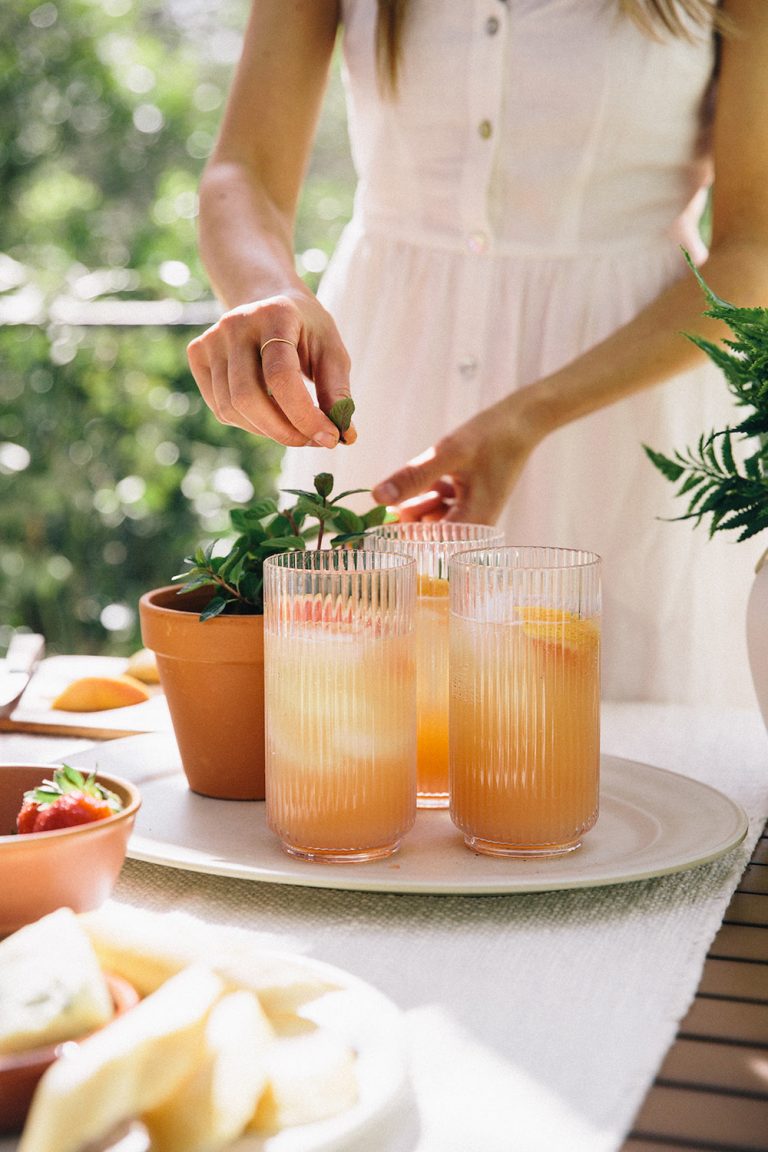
[35, 714]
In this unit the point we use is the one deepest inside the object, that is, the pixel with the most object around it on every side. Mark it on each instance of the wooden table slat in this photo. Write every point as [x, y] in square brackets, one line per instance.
[711, 1092]
[721, 1067]
[760, 854]
[741, 942]
[735, 980]
[706, 1119]
[755, 879]
[638, 1144]
[748, 908]
[729, 1020]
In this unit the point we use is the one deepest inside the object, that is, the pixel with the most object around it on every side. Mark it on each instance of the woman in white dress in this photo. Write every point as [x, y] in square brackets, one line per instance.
[507, 304]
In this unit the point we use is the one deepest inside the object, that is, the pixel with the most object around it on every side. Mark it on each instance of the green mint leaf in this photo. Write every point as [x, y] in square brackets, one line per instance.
[341, 414]
[324, 484]
[280, 526]
[375, 516]
[300, 492]
[316, 508]
[199, 580]
[249, 519]
[215, 607]
[348, 492]
[346, 538]
[348, 522]
[282, 544]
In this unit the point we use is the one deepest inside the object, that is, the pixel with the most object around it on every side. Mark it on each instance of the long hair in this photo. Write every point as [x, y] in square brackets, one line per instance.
[656, 17]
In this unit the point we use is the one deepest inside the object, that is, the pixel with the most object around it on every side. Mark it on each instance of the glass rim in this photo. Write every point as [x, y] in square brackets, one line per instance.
[467, 558]
[395, 529]
[301, 560]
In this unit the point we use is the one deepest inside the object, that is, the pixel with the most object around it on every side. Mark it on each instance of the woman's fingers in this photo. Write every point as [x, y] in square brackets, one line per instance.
[252, 369]
[331, 367]
[284, 383]
[467, 475]
[436, 504]
[418, 477]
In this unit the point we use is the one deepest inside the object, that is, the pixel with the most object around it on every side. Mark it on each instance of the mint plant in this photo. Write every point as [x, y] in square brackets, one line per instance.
[732, 493]
[237, 577]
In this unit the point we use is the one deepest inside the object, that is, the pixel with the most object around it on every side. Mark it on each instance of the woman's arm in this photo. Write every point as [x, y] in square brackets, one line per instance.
[248, 198]
[469, 474]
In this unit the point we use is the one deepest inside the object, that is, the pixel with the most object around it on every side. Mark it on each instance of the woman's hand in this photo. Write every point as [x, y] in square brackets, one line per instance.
[256, 367]
[468, 475]
[254, 364]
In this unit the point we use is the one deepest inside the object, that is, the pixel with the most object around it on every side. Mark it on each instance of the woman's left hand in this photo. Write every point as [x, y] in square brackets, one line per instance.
[468, 474]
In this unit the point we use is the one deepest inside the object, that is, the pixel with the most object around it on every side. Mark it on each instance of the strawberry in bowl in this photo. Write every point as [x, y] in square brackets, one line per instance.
[73, 858]
[68, 799]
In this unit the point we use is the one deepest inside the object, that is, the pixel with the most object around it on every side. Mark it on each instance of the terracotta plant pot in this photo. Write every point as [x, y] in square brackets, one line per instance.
[212, 673]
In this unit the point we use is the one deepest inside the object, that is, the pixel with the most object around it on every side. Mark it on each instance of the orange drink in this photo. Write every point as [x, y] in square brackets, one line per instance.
[525, 699]
[340, 686]
[432, 691]
[432, 544]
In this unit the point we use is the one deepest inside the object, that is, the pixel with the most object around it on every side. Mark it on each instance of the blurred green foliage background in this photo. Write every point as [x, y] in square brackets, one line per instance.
[111, 468]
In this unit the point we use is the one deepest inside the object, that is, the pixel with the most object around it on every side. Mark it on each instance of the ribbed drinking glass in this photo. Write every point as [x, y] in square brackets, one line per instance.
[433, 544]
[525, 698]
[340, 702]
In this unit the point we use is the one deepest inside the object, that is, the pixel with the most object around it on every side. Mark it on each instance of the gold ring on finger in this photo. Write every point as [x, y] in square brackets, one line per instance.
[276, 340]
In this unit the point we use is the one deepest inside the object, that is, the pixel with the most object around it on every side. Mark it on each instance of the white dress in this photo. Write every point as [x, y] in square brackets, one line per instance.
[527, 193]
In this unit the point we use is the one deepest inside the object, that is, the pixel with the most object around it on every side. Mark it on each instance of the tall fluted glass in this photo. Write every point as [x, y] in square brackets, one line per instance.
[340, 702]
[525, 698]
[433, 544]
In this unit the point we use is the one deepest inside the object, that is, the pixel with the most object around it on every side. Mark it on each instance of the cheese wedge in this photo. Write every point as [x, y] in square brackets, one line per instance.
[146, 948]
[311, 1077]
[213, 1106]
[125, 1069]
[51, 985]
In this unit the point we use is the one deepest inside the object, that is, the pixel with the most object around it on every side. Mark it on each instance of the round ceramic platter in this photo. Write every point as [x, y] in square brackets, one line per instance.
[385, 1116]
[652, 822]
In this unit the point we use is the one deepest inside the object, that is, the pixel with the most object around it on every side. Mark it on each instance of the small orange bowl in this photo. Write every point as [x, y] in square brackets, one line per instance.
[73, 867]
[20, 1071]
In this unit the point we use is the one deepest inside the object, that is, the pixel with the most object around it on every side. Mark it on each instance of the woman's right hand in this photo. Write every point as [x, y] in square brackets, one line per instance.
[254, 367]
[258, 366]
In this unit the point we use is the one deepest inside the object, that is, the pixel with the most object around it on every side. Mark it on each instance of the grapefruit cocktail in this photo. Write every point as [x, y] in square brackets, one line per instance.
[525, 699]
[340, 703]
[432, 543]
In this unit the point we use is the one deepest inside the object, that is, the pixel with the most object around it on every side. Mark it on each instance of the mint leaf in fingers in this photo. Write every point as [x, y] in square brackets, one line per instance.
[341, 415]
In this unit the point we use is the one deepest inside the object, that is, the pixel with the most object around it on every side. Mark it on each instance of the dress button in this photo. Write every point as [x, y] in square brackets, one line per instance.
[485, 128]
[477, 242]
[468, 366]
[492, 25]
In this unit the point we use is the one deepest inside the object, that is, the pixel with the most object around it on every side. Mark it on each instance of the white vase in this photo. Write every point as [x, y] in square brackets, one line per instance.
[757, 634]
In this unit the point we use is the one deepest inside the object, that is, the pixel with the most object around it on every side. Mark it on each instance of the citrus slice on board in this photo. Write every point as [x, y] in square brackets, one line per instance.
[142, 666]
[98, 693]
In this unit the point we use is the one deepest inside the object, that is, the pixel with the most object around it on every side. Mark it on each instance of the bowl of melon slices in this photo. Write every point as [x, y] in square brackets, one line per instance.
[53, 991]
[225, 1045]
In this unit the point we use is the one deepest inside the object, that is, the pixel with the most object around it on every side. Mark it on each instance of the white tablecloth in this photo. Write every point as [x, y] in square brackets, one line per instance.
[537, 1021]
